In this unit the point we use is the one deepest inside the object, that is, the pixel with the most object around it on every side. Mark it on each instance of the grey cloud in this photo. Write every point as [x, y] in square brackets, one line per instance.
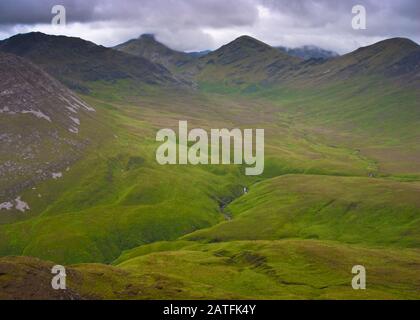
[187, 13]
[33, 12]
[206, 24]
[179, 23]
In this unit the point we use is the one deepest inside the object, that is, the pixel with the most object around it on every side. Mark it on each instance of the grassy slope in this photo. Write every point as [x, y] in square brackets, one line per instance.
[288, 269]
[282, 269]
[346, 209]
[118, 198]
[373, 116]
[124, 200]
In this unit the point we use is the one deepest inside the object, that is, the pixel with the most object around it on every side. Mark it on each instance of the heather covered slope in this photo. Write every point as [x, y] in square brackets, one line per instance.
[285, 269]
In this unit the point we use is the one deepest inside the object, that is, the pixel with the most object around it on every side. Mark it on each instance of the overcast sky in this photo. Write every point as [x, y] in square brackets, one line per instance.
[193, 25]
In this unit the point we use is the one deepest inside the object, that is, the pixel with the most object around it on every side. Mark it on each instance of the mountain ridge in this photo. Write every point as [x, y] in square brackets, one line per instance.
[243, 62]
[395, 58]
[75, 61]
[146, 46]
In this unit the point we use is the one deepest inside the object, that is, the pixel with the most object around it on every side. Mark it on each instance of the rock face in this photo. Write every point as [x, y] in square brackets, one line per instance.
[26, 89]
[40, 123]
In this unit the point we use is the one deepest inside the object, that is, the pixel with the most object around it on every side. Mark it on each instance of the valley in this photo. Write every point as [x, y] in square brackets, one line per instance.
[340, 187]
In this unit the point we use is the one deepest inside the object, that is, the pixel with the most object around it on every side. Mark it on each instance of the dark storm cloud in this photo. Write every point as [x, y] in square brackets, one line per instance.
[384, 16]
[39, 11]
[214, 13]
[202, 24]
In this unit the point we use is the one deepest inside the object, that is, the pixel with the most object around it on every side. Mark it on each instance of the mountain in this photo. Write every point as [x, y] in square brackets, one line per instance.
[340, 184]
[309, 52]
[199, 54]
[77, 62]
[42, 129]
[146, 46]
[396, 58]
[247, 61]
[244, 60]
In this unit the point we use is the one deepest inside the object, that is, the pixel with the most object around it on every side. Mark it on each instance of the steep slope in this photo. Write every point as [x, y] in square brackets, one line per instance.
[77, 62]
[146, 46]
[40, 121]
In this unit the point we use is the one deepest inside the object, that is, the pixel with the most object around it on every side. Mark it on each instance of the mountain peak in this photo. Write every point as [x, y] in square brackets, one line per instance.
[401, 42]
[249, 42]
[395, 45]
[245, 47]
[245, 37]
[147, 36]
[23, 43]
[146, 46]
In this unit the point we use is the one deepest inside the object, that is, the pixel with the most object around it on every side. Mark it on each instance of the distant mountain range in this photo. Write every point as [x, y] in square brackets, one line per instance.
[243, 62]
[199, 54]
[148, 47]
[309, 52]
[249, 61]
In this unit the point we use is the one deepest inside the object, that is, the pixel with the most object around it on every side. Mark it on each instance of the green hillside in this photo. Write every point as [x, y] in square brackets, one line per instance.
[345, 209]
[340, 185]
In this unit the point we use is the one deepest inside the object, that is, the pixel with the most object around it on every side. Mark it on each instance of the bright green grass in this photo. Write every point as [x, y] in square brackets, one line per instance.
[117, 204]
[346, 209]
[369, 115]
[117, 197]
